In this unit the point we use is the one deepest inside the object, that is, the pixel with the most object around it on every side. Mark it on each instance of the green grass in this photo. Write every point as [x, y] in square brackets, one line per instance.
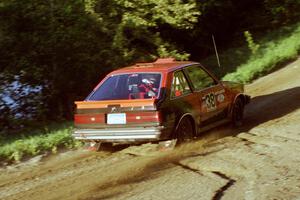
[269, 56]
[37, 142]
[276, 48]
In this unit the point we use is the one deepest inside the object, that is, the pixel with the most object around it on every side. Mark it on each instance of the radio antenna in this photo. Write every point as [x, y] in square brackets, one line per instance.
[215, 46]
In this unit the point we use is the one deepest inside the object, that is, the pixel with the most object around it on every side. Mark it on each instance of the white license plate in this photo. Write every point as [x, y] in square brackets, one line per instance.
[116, 118]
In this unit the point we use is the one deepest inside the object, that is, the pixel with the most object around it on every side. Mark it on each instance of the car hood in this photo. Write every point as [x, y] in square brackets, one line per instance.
[238, 87]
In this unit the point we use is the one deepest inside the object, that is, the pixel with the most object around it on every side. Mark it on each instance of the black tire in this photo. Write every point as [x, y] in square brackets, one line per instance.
[237, 113]
[185, 131]
[105, 147]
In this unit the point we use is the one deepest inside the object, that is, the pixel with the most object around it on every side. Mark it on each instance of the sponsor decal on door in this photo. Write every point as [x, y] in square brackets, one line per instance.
[210, 102]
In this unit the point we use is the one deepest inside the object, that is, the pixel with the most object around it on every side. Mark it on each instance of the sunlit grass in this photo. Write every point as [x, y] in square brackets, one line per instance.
[239, 64]
[15, 149]
[272, 53]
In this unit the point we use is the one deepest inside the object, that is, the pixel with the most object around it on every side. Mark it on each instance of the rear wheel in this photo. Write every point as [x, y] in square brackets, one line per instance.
[237, 113]
[185, 131]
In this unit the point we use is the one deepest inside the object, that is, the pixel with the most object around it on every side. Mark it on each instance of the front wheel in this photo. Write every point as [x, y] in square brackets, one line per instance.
[237, 113]
[185, 131]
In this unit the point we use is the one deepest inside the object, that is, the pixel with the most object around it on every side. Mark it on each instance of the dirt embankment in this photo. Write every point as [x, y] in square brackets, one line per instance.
[259, 161]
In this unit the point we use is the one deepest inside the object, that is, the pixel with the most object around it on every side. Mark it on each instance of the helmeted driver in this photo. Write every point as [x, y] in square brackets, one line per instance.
[148, 85]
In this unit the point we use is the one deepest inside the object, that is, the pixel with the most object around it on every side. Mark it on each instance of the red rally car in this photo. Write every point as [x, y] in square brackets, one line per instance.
[163, 100]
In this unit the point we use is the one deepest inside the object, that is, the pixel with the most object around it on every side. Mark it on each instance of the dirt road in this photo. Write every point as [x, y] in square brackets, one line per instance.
[259, 161]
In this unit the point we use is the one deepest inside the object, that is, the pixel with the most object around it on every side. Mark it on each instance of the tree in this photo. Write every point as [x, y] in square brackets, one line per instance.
[54, 45]
[65, 47]
[134, 26]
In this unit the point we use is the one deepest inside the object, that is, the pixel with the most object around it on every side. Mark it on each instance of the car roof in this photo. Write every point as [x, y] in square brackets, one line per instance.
[160, 65]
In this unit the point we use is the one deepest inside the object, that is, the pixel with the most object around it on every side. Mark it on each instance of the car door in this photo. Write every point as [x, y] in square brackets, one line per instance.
[210, 92]
[182, 100]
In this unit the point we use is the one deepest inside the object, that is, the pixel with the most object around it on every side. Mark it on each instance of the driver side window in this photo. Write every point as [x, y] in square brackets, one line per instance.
[200, 78]
[180, 85]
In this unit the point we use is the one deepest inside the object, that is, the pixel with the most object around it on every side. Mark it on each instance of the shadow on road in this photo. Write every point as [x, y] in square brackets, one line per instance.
[261, 109]
[271, 106]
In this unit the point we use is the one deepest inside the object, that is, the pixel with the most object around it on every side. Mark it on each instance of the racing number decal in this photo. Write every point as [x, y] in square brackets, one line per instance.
[210, 101]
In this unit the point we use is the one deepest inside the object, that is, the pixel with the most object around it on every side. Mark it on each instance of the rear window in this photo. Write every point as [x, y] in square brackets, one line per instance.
[128, 86]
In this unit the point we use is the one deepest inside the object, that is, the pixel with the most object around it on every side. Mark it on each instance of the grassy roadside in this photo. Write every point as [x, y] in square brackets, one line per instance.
[37, 142]
[270, 55]
[276, 48]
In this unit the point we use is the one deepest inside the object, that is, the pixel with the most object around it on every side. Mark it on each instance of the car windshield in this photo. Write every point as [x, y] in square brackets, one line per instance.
[128, 86]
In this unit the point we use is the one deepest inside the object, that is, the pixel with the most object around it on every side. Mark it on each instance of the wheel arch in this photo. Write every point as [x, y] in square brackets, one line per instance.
[191, 118]
[241, 96]
[238, 96]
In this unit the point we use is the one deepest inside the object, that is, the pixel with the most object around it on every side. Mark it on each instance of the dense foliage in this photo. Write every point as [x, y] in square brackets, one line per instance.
[54, 52]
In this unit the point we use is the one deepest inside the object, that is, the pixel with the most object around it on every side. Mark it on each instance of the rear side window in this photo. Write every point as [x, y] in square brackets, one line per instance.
[180, 85]
[128, 86]
[200, 78]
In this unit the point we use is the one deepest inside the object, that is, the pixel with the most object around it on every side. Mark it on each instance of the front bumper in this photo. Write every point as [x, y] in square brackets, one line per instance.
[120, 135]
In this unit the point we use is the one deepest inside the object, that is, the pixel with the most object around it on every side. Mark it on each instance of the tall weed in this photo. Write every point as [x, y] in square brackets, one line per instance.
[271, 54]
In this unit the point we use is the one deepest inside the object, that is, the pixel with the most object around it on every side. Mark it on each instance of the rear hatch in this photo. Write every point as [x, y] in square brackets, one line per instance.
[121, 100]
[116, 114]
